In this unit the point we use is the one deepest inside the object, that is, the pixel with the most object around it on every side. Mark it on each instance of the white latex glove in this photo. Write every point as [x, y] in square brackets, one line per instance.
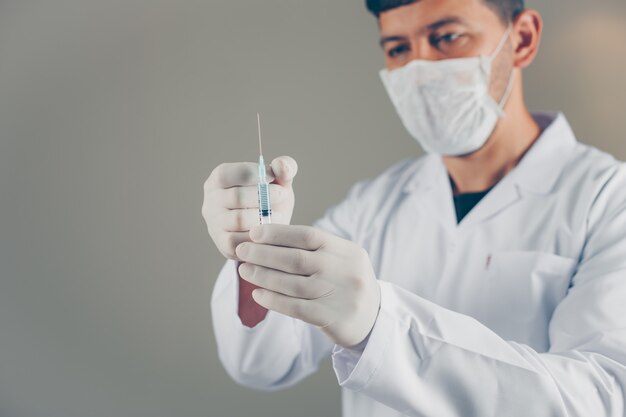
[231, 205]
[313, 276]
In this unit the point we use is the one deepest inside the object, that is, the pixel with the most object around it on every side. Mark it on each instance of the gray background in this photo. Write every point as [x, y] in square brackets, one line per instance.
[112, 115]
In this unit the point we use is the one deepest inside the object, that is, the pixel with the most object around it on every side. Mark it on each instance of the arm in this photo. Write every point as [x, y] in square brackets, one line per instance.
[422, 359]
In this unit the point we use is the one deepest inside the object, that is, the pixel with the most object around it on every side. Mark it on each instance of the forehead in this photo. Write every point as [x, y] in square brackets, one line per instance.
[422, 13]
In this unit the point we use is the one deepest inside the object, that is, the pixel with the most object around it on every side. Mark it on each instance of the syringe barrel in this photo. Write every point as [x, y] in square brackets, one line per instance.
[265, 210]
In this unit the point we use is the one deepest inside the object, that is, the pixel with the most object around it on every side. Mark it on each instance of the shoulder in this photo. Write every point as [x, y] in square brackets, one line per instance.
[594, 170]
[598, 181]
[374, 200]
[368, 200]
[592, 164]
[390, 182]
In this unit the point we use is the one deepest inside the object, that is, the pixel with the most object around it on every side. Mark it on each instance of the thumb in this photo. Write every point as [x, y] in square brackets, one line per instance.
[284, 169]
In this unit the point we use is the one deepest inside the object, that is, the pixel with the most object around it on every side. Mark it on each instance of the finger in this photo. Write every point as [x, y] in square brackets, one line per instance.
[297, 308]
[284, 169]
[227, 242]
[301, 237]
[248, 196]
[292, 261]
[239, 220]
[288, 284]
[236, 174]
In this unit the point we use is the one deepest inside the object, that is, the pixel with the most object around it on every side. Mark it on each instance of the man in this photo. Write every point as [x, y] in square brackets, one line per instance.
[486, 278]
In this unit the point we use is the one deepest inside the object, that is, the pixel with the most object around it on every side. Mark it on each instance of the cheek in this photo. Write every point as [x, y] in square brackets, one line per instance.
[501, 71]
[394, 63]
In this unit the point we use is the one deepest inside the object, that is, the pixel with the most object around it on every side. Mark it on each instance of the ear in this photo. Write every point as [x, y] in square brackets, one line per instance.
[527, 29]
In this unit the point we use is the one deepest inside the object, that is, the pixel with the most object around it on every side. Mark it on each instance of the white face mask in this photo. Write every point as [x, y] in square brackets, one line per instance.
[445, 105]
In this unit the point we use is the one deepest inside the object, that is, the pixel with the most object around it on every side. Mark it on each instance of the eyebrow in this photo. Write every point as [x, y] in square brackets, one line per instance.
[433, 26]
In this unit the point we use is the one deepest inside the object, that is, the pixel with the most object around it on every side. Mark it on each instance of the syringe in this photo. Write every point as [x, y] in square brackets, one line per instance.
[265, 210]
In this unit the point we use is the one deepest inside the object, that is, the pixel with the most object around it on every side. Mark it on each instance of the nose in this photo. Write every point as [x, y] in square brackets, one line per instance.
[423, 50]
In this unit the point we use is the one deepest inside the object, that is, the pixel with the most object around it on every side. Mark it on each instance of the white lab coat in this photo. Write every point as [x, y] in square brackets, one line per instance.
[519, 310]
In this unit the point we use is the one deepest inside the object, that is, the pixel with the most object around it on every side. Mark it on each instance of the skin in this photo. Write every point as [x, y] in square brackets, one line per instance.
[444, 29]
[327, 281]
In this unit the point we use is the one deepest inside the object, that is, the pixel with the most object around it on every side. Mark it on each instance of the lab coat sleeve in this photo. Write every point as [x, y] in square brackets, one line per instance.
[279, 351]
[422, 359]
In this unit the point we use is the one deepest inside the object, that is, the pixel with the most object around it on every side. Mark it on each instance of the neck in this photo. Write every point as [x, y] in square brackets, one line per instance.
[514, 134]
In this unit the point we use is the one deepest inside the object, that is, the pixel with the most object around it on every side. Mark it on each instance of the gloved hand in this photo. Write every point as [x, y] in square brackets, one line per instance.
[313, 276]
[231, 205]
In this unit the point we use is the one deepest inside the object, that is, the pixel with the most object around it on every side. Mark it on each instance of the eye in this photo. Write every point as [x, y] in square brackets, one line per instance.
[400, 49]
[445, 41]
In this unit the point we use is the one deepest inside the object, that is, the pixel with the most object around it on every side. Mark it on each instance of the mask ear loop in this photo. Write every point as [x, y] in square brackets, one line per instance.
[509, 87]
[507, 93]
[505, 37]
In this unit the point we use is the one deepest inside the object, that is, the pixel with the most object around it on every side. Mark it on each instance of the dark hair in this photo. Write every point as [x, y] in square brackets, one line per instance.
[506, 9]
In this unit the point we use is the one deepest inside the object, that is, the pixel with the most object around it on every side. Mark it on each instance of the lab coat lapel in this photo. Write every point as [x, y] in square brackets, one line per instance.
[431, 190]
[536, 173]
[503, 195]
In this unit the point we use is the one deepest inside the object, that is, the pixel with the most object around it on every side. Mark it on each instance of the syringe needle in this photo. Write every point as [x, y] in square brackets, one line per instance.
[261, 161]
[258, 118]
[265, 211]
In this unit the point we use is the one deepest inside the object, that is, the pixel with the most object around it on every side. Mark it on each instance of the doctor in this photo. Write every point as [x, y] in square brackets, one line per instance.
[486, 278]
